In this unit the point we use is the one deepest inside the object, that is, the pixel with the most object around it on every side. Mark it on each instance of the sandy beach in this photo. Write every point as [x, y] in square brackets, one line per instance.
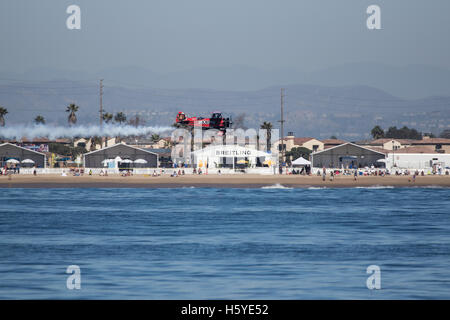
[225, 181]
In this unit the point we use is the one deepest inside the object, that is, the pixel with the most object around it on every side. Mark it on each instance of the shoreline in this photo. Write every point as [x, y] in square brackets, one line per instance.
[217, 181]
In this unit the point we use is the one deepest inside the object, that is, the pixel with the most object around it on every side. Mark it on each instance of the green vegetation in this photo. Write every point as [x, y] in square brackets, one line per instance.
[156, 137]
[72, 110]
[66, 150]
[394, 133]
[377, 132]
[268, 126]
[403, 133]
[39, 120]
[3, 112]
[296, 153]
[120, 117]
[107, 117]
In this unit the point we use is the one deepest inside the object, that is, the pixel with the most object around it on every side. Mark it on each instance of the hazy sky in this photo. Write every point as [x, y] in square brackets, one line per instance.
[172, 35]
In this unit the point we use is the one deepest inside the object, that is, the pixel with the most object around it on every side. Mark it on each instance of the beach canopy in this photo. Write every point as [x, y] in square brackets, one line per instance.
[27, 161]
[140, 161]
[382, 160]
[126, 161]
[13, 161]
[301, 162]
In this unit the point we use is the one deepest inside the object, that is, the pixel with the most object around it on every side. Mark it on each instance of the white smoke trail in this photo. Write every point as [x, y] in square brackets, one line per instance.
[53, 132]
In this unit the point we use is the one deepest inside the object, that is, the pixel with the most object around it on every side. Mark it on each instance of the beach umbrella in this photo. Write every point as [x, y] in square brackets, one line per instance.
[382, 160]
[140, 161]
[126, 161]
[268, 162]
[27, 161]
[13, 161]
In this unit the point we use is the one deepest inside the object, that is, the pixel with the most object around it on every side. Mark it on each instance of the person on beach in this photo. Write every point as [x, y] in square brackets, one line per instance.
[332, 175]
[355, 174]
[324, 174]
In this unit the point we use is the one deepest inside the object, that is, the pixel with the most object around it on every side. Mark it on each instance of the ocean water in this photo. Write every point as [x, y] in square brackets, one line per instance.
[212, 243]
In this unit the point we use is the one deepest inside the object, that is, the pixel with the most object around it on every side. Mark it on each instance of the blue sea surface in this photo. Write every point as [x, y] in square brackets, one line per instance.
[214, 243]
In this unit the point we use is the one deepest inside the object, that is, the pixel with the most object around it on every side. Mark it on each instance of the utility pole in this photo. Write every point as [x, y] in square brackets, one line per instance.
[282, 127]
[101, 103]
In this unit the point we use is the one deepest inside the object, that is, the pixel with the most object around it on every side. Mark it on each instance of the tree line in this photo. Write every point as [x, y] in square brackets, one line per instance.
[404, 133]
[72, 119]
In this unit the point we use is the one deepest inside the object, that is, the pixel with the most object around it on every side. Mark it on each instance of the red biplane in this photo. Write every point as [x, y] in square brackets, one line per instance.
[217, 121]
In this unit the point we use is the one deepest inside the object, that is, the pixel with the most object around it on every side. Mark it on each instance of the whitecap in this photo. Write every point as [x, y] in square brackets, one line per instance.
[276, 186]
[375, 187]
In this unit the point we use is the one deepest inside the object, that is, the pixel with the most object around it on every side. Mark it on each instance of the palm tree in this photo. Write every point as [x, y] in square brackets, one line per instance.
[156, 137]
[107, 117]
[268, 126]
[39, 120]
[168, 144]
[120, 117]
[72, 109]
[377, 132]
[3, 112]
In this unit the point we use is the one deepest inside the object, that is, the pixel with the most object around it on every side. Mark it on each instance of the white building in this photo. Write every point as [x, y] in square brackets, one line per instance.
[417, 160]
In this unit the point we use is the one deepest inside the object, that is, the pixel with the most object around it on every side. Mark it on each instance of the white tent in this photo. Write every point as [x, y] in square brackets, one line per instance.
[140, 161]
[216, 155]
[301, 162]
[13, 161]
[27, 161]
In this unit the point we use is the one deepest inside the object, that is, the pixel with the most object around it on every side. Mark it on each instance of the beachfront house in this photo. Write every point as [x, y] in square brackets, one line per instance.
[290, 142]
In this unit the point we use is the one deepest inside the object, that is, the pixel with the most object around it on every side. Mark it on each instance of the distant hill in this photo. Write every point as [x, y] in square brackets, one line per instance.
[409, 82]
[348, 112]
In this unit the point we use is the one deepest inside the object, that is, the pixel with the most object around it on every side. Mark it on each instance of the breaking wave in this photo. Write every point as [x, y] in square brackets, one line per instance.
[276, 186]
